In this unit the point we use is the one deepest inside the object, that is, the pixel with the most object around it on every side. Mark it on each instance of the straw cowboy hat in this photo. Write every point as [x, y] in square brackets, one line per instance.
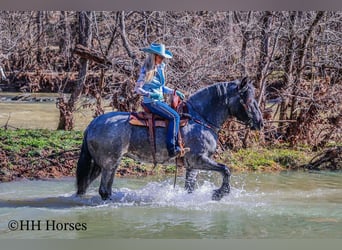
[159, 49]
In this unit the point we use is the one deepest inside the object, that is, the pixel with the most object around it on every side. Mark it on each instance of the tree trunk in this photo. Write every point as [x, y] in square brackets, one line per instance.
[67, 108]
[39, 22]
[245, 38]
[264, 59]
[124, 36]
[288, 69]
[65, 39]
[302, 52]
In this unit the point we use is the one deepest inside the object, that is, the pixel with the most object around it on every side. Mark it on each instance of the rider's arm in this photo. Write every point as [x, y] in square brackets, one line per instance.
[140, 83]
[167, 90]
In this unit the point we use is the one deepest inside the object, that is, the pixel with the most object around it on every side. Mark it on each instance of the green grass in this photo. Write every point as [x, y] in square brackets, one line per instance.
[266, 159]
[36, 140]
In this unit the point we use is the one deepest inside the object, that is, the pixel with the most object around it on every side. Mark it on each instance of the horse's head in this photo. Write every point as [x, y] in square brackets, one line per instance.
[247, 109]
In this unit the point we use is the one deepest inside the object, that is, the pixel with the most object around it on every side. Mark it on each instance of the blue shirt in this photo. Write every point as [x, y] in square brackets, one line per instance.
[156, 85]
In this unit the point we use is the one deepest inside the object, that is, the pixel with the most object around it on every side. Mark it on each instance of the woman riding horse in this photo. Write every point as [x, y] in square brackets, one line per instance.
[110, 136]
[151, 85]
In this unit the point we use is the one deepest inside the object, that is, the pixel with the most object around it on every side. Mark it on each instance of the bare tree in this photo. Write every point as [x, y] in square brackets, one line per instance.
[302, 52]
[67, 108]
[264, 57]
[293, 55]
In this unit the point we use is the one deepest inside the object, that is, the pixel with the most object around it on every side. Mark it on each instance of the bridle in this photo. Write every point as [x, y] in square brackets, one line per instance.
[241, 91]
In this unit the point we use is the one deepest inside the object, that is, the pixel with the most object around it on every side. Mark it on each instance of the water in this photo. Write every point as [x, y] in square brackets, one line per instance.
[282, 205]
[42, 115]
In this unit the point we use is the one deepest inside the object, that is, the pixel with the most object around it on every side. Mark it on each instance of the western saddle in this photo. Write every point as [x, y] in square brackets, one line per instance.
[151, 121]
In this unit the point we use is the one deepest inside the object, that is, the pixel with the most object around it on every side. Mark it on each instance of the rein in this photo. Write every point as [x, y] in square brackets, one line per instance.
[205, 124]
[245, 106]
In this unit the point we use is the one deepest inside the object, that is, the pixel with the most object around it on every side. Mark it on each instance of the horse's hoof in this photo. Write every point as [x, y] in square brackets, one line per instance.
[105, 197]
[217, 195]
[189, 188]
[226, 190]
[80, 193]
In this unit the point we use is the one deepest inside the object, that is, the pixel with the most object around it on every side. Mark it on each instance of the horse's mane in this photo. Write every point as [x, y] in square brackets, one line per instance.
[218, 90]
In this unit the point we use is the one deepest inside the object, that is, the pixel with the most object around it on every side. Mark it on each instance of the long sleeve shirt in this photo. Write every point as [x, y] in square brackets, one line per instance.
[156, 85]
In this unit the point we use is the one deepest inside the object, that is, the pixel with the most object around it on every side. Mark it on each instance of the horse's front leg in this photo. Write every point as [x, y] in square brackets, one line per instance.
[225, 187]
[205, 163]
[190, 179]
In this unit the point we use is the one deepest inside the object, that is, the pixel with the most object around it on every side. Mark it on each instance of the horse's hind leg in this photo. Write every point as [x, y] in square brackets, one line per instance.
[87, 170]
[86, 176]
[107, 179]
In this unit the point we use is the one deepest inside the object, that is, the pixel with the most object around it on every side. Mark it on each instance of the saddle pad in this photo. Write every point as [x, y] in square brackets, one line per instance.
[136, 119]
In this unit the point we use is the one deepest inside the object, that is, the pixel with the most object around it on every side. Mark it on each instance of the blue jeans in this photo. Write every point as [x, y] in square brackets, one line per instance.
[162, 109]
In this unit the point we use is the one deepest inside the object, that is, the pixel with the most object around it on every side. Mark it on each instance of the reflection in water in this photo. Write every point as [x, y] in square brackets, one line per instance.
[287, 205]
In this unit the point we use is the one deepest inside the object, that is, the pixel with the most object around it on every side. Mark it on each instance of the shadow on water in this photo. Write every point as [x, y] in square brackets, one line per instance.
[62, 202]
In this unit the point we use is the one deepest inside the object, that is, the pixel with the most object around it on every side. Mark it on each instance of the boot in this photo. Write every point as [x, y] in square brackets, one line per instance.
[174, 152]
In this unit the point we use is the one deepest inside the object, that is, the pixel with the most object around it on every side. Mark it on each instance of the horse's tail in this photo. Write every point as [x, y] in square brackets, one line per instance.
[87, 170]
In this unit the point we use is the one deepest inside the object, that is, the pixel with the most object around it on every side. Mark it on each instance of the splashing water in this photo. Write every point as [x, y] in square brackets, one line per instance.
[286, 205]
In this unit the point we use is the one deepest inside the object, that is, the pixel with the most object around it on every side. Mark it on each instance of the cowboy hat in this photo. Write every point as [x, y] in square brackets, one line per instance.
[159, 49]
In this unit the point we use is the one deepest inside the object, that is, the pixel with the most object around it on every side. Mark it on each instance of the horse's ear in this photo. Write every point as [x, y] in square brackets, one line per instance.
[243, 86]
[244, 80]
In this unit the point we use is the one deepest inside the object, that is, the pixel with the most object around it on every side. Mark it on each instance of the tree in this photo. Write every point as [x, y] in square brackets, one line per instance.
[67, 108]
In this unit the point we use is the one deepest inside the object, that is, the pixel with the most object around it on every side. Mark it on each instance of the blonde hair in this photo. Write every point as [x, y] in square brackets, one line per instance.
[149, 65]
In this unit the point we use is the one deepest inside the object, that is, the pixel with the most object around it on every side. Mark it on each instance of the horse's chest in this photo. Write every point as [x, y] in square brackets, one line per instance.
[201, 138]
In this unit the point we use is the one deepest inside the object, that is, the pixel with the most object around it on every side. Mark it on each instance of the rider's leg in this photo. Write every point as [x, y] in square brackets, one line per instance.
[164, 110]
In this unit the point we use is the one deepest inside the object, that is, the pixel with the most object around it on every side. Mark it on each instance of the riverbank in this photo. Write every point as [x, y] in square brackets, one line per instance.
[41, 154]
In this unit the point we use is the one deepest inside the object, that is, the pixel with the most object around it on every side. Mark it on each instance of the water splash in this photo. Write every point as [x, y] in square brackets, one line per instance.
[164, 195]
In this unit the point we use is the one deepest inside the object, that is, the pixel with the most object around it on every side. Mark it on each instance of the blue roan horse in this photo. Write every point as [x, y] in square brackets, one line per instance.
[109, 137]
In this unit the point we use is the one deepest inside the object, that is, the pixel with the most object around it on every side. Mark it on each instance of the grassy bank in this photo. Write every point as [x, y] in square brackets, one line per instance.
[51, 154]
[267, 159]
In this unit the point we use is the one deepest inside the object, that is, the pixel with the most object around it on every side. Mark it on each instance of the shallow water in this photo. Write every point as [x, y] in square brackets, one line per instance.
[34, 115]
[284, 205]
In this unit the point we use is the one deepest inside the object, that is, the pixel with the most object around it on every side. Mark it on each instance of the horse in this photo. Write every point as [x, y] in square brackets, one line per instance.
[110, 136]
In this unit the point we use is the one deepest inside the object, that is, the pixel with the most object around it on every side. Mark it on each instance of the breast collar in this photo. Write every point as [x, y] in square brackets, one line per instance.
[203, 122]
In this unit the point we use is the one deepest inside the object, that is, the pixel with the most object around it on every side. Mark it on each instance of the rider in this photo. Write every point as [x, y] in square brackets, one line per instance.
[151, 85]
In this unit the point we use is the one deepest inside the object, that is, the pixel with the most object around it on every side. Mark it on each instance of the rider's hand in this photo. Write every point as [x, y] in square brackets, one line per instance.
[180, 94]
[155, 96]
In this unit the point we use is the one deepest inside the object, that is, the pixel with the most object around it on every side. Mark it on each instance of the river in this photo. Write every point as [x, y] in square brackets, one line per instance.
[42, 113]
[261, 205]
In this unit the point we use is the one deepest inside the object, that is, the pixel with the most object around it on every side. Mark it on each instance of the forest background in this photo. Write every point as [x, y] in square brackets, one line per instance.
[293, 57]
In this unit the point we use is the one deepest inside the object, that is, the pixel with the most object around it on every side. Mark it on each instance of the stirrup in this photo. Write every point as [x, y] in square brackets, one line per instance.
[184, 151]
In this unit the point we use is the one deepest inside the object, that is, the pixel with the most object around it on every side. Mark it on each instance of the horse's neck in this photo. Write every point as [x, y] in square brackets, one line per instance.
[212, 103]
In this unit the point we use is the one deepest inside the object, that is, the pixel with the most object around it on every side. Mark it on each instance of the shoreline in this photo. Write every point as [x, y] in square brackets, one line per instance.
[37, 154]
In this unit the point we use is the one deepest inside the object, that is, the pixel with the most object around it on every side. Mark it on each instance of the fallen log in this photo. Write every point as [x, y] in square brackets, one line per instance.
[330, 159]
[91, 55]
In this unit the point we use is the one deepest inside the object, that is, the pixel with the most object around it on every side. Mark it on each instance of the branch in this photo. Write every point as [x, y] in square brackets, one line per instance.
[92, 55]
[124, 36]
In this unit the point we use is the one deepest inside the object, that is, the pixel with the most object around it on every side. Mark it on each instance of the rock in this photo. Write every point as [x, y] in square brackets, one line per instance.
[21, 97]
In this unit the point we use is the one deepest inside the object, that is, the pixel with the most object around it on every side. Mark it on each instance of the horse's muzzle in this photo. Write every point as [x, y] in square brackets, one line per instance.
[257, 125]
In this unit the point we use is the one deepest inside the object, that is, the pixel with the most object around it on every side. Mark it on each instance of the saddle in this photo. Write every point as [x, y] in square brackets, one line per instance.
[151, 121]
